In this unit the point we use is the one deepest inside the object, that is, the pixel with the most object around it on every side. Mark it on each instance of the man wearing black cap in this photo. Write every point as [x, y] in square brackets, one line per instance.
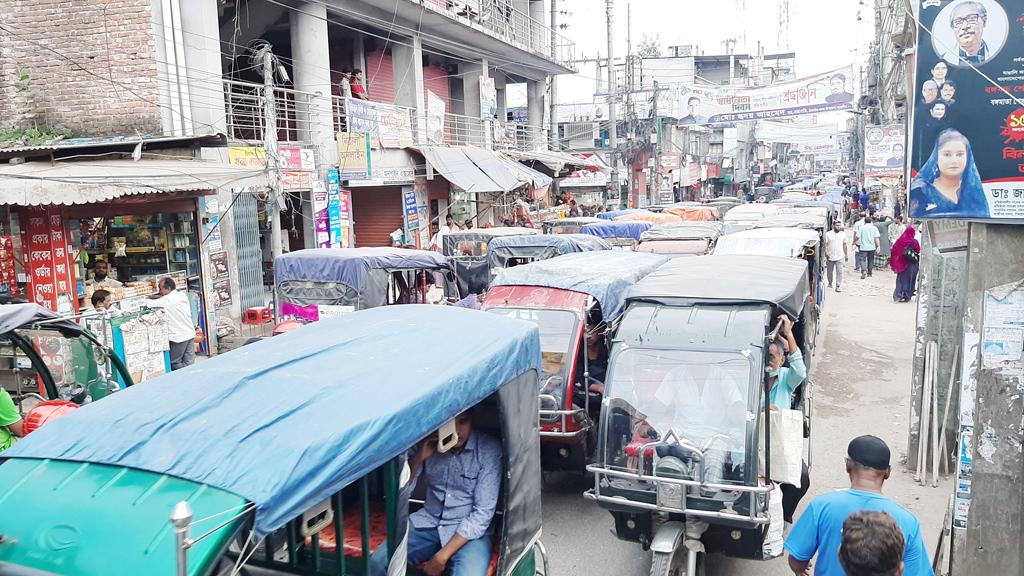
[819, 529]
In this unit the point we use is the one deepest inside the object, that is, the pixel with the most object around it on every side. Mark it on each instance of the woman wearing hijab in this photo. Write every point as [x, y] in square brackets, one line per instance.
[948, 183]
[904, 257]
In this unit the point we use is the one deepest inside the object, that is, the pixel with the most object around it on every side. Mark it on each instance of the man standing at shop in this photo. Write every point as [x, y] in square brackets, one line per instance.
[101, 276]
[180, 327]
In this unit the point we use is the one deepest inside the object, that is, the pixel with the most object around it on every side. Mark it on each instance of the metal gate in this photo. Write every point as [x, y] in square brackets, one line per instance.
[248, 252]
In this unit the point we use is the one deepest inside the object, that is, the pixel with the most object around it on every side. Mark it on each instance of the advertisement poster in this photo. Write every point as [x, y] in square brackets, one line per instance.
[435, 118]
[354, 156]
[48, 262]
[826, 92]
[884, 150]
[967, 132]
[297, 166]
[249, 156]
[488, 98]
[412, 213]
[388, 126]
[8, 275]
[222, 293]
[321, 220]
[345, 214]
[219, 264]
[334, 207]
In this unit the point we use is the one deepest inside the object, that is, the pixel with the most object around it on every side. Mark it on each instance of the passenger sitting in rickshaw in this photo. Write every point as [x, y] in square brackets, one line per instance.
[589, 377]
[782, 382]
[453, 529]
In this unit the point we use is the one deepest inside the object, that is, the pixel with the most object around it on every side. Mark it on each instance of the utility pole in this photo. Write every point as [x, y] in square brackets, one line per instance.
[270, 149]
[656, 172]
[613, 127]
[553, 95]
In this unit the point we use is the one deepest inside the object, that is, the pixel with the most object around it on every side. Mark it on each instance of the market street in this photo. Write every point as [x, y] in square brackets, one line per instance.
[861, 376]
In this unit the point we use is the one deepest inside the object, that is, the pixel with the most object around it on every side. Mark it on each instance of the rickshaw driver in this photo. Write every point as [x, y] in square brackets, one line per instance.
[453, 529]
[782, 381]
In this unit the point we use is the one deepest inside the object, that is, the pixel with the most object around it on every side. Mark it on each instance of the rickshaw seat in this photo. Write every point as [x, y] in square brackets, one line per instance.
[353, 547]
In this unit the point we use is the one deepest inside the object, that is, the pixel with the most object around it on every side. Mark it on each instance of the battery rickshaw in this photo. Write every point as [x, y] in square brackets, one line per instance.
[685, 412]
[271, 459]
[570, 298]
[569, 225]
[680, 239]
[621, 235]
[467, 250]
[508, 251]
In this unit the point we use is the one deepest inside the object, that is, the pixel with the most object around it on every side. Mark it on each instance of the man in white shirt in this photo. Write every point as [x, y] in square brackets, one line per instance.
[836, 254]
[180, 326]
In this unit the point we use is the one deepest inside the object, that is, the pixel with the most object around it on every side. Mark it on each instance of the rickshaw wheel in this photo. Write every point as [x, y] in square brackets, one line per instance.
[674, 563]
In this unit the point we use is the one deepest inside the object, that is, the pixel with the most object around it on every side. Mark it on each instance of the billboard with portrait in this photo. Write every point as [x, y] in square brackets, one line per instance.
[884, 150]
[967, 131]
[828, 92]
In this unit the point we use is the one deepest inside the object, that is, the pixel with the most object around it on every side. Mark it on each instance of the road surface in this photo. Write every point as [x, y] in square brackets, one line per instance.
[861, 377]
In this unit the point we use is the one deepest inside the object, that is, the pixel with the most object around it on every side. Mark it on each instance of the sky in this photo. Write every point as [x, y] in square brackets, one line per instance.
[822, 33]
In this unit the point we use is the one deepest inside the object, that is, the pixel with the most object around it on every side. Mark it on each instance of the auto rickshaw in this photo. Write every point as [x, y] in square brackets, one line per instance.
[699, 213]
[798, 243]
[724, 204]
[508, 251]
[613, 214]
[569, 225]
[648, 216]
[686, 415]
[621, 235]
[569, 297]
[467, 250]
[271, 459]
[744, 216]
[319, 282]
[681, 239]
[44, 356]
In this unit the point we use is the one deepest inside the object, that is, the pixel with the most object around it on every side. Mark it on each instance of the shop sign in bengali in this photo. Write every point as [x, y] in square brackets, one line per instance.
[354, 156]
[48, 261]
[249, 156]
[967, 131]
[321, 219]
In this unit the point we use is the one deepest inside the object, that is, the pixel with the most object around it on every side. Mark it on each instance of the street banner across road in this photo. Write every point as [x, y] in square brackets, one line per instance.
[967, 133]
[883, 150]
[828, 92]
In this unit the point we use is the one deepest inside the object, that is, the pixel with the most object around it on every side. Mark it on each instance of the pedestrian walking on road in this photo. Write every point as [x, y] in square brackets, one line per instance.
[836, 253]
[904, 259]
[859, 219]
[181, 329]
[819, 531]
[872, 545]
[867, 243]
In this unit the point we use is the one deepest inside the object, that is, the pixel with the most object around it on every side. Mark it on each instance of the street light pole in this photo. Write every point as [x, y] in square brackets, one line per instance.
[613, 124]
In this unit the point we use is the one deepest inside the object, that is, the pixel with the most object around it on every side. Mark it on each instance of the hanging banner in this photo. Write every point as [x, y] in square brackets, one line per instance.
[828, 92]
[388, 126]
[354, 156]
[967, 148]
[488, 98]
[249, 156]
[435, 118]
[883, 150]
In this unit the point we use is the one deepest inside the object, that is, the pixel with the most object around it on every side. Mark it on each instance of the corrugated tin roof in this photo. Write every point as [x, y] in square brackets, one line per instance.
[83, 182]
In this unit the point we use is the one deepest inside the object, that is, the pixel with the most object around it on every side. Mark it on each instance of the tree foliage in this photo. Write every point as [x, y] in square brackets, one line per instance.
[650, 47]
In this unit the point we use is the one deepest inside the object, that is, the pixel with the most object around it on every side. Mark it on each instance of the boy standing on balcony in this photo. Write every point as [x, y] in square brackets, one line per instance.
[358, 91]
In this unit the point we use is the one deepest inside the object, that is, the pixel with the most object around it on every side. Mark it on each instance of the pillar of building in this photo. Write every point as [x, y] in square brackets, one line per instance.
[203, 66]
[311, 71]
[500, 87]
[407, 58]
[535, 91]
[474, 129]
[539, 34]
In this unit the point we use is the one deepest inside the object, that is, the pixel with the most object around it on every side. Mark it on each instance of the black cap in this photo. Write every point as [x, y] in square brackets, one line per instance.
[869, 451]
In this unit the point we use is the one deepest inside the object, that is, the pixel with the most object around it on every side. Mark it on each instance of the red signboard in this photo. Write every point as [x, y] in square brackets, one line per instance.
[47, 261]
[8, 275]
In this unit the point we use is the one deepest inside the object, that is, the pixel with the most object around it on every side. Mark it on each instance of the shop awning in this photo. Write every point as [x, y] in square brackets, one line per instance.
[490, 164]
[525, 173]
[453, 163]
[558, 163]
[86, 181]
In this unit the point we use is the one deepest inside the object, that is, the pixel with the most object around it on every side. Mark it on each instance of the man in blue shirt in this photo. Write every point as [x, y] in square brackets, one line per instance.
[820, 529]
[866, 238]
[453, 529]
[782, 382]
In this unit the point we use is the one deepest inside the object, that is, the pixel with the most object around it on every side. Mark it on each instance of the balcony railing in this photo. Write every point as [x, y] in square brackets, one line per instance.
[245, 113]
[501, 19]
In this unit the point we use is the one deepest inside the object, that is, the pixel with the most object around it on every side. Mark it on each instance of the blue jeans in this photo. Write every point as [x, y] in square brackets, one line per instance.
[471, 560]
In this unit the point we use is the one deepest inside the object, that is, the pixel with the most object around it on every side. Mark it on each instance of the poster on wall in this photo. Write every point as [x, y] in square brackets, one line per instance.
[321, 219]
[435, 118]
[884, 150]
[8, 274]
[488, 98]
[297, 166]
[334, 207]
[354, 156]
[219, 265]
[48, 260]
[249, 156]
[967, 131]
[388, 126]
[827, 92]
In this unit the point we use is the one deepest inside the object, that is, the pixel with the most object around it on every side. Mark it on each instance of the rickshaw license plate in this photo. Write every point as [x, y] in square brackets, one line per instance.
[671, 496]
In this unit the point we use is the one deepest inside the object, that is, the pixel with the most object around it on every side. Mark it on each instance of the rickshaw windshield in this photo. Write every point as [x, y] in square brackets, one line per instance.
[558, 329]
[704, 398]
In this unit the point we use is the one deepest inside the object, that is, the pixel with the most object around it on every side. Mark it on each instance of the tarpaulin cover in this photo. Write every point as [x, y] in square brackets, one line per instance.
[351, 265]
[786, 242]
[750, 212]
[728, 279]
[288, 421]
[616, 213]
[573, 222]
[14, 316]
[648, 216]
[789, 218]
[606, 275]
[617, 229]
[458, 169]
[540, 247]
[683, 231]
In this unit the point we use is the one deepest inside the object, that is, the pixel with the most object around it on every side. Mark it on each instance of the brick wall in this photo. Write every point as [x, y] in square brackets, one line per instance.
[109, 85]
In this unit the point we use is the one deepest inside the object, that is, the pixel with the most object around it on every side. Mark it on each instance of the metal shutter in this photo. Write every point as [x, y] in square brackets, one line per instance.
[376, 213]
[380, 77]
[248, 253]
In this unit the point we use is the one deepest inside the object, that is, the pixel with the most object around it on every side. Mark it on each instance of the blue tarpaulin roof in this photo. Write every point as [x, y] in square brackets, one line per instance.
[616, 213]
[350, 265]
[606, 275]
[616, 229]
[288, 421]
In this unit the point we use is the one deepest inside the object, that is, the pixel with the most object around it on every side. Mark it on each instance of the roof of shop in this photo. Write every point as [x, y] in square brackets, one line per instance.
[87, 181]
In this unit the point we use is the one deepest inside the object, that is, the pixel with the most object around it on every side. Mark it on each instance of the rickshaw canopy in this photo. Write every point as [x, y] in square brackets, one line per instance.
[694, 213]
[616, 229]
[574, 222]
[281, 425]
[783, 242]
[750, 212]
[611, 215]
[452, 239]
[683, 231]
[468, 250]
[787, 219]
[350, 265]
[27, 315]
[727, 279]
[540, 247]
[648, 216]
[606, 276]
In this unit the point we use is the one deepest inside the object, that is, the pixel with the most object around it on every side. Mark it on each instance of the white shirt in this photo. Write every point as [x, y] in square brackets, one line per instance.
[180, 326]
[346, 88]
[835, 242]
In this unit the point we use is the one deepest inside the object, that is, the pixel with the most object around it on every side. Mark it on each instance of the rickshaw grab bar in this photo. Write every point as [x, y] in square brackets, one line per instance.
[590, 495]
[561, 415]
[598, 470]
